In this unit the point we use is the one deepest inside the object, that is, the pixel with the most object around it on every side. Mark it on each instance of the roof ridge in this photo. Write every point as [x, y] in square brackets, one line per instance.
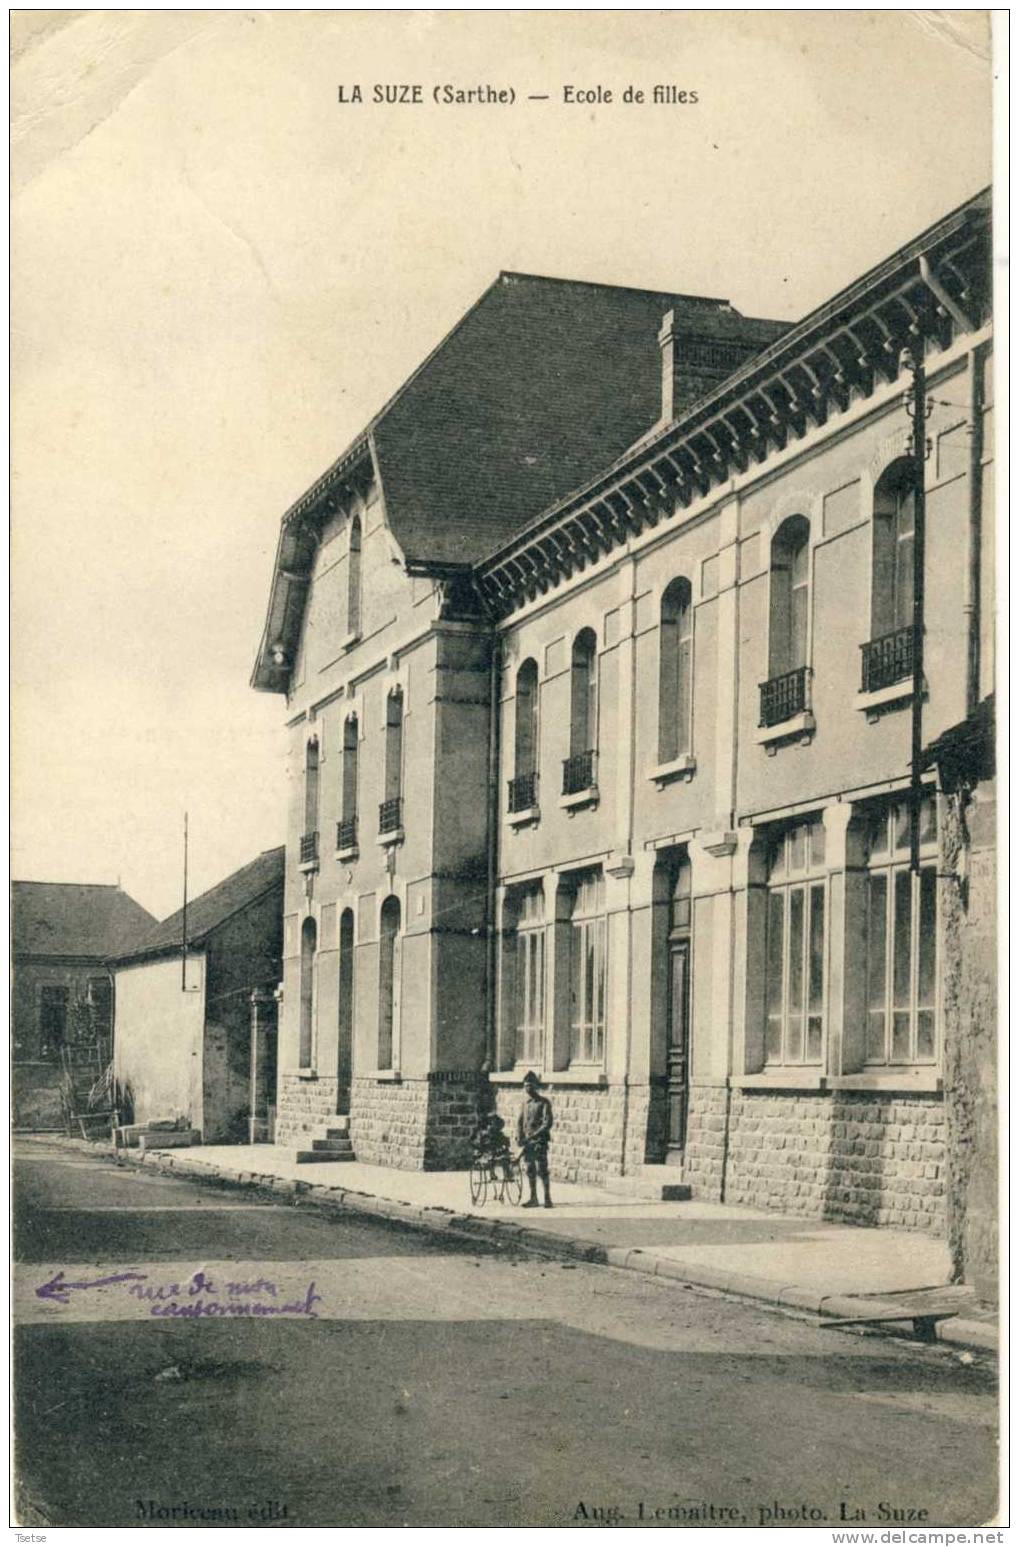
[605, 284]
[96, 886]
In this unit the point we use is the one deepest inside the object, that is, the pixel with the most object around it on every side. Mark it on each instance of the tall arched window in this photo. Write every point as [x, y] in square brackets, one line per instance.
[389, 929]
[346, 833]
[390, 813]
[524, 784]
[784, 695]
[579, 768]
[888, 656]
[354, 578]
[345, 1042]
[790, 596]
[675, 671]
[892, 588]
[309, 839]
[309, 936]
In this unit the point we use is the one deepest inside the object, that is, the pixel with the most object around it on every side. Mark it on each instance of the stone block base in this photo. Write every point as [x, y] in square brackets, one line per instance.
[302, 1107]
[596, 1132]
[853, 1157]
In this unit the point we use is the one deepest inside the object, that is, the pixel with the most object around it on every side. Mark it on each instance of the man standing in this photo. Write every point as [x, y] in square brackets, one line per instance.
[533, 1128]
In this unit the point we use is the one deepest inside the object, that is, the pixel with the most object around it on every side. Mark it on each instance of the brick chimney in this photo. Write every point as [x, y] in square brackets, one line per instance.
[696, 359]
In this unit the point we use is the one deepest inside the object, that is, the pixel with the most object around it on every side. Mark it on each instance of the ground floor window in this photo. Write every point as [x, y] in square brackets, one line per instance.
[901, 936]
[389, 980]
[587, 970]
[794, 956]
[530, 976]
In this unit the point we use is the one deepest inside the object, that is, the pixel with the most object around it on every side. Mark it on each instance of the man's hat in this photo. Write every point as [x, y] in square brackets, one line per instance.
[530, 1078]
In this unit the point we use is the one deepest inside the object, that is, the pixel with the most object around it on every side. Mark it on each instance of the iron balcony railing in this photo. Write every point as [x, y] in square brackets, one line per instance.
[391, 815]
[887, 660]
[523, 792]
[578, 772]
[346, 833]
[783, 697]
[309, 849]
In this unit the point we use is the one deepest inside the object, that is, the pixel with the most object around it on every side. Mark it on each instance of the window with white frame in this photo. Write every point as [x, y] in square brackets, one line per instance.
[389, 979]
[354, 578]
[579, 768]
[587, 969]
[530, 975]
[794, 957]
[892, 573]
[901, 937]
[789, 608]
[523, 787]
[348, 783]
[675, 671]
[309, 941]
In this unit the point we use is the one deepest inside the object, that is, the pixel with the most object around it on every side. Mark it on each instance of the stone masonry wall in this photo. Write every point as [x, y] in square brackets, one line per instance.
[451, 1117]
[968, 910]
[587, 1131]
[302, 1106]
[388, 1122]
[704, 1157]
[858, 1157]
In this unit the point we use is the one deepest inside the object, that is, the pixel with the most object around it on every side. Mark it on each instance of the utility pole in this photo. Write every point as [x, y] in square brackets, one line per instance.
[918, 409]
[184, 917]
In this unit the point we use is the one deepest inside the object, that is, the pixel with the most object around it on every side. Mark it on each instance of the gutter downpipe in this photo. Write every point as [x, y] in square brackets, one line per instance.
[972, 602]
[631, 753]
[491, 938]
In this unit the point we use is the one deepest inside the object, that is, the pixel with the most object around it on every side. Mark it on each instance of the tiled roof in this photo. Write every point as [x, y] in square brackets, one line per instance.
[52, 918]
[212, 908]
[966, 750]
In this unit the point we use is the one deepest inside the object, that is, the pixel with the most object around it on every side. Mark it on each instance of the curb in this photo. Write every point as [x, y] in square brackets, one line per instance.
[958, 1332]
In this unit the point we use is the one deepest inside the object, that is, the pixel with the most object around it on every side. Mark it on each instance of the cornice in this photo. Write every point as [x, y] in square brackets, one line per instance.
[926, 296]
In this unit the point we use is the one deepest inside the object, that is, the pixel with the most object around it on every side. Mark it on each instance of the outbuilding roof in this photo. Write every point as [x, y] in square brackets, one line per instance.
[212, 908]
[57, 918]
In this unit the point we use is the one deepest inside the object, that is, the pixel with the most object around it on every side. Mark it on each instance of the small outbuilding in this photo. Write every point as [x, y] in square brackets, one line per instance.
[194, 1028]
[61, 1002]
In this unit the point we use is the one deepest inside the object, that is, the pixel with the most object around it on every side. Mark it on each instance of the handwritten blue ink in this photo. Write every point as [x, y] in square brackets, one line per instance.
[58, 1287]
[199, 1308]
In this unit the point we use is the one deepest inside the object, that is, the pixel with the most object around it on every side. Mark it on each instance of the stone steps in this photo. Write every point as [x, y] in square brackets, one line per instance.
[661, 1184]
[303, 1157]
[328, 1140]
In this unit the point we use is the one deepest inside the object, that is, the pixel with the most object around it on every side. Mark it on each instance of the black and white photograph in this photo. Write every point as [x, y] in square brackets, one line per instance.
[505, 727]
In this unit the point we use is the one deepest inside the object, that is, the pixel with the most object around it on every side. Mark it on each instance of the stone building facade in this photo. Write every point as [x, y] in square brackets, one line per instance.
[62, 937]
[640, 743]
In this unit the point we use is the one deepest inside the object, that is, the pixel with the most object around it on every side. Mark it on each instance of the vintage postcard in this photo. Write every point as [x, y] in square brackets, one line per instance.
[505, 966]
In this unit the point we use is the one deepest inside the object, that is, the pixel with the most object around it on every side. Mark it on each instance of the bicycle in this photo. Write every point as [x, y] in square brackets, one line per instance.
[496, 1177]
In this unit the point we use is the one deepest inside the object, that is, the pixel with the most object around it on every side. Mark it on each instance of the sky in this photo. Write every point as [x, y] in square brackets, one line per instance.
[220, 272]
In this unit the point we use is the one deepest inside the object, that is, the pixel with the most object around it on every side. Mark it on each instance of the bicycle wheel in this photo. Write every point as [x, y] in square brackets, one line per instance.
[513, 1186]
[479, 1182]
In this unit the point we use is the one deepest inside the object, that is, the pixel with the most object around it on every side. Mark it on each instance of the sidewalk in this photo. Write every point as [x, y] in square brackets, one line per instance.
[799, 1264]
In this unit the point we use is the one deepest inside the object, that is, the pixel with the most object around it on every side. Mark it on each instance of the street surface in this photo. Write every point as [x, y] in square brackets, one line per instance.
[338, 1371]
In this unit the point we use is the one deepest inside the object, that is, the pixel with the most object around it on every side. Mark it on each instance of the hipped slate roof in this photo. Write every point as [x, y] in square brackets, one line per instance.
[207, 912]
[52, 918]
[540, 384]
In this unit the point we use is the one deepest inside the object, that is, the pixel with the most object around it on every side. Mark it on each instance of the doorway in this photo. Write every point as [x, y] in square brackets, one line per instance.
[677, 1050]
[671, 999]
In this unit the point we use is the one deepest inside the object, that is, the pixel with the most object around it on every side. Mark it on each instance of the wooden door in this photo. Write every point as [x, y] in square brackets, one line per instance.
[677, 1051]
